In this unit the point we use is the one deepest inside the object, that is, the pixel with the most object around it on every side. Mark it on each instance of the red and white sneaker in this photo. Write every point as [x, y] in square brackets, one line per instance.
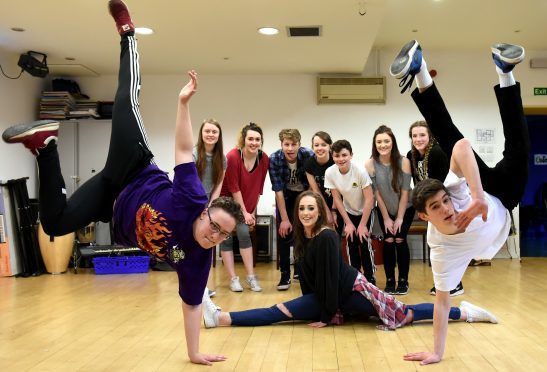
[118, 10]
[35, 136]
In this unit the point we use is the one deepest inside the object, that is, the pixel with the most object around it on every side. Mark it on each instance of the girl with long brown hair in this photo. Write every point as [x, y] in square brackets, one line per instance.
[209, 157]
[390, 173]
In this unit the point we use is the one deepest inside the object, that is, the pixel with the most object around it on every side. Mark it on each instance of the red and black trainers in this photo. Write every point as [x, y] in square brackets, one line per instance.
[35, 136]
[118, 10]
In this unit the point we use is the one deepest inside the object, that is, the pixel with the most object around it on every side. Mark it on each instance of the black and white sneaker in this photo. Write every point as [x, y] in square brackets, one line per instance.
[390, 286]
[285, 281]
[402, 287]
[455, 292]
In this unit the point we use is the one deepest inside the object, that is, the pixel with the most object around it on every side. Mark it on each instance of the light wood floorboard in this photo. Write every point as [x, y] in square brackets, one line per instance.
[133, 322]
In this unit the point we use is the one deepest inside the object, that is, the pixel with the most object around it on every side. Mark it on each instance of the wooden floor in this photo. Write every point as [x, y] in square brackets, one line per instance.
[133, 322]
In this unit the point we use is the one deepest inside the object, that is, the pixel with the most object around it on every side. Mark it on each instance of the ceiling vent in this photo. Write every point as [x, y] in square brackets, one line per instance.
[302, 31]
[351, 89]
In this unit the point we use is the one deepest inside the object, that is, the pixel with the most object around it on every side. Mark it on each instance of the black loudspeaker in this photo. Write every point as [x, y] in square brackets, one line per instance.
[264, 239]
[32, 65]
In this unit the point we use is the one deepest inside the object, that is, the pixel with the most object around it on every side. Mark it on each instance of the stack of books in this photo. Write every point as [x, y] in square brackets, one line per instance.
[56, 105]
[84, 109]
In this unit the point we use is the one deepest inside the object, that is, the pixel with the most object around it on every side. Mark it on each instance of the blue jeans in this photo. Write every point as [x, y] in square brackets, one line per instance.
[307, 307]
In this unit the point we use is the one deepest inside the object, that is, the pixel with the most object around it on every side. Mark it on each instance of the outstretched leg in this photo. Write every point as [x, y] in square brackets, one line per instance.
[467, 312]
[514, 164]
[56, 215]
[129, 149]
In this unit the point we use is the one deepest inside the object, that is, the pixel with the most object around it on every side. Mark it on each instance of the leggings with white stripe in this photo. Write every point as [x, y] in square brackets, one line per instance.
[128, 154]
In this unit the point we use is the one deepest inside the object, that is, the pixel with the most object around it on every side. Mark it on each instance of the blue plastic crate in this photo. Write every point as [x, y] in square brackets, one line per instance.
[121, 265]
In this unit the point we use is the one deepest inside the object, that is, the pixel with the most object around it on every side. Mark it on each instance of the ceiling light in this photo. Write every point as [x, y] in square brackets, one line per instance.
[268, 31]
[143, 31]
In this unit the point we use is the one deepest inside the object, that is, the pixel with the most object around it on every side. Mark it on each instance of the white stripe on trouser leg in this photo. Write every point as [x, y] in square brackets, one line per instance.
[135, 86]
[369, 243]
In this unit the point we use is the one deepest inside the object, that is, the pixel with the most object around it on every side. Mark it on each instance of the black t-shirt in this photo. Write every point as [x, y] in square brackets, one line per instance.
[318, 172]
[437, 167]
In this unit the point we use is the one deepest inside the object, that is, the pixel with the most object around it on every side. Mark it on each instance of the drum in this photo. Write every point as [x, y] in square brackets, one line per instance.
[56, 251]
[86, 234]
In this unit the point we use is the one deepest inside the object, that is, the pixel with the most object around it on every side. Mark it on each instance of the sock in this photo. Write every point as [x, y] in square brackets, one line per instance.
[423, 79]
[506, 78]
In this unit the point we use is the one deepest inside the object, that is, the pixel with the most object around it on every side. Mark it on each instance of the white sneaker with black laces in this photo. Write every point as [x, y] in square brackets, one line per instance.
[210, 311]
[477, 314]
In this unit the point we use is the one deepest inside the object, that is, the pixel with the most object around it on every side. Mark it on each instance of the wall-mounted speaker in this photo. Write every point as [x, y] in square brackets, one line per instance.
[264, 239]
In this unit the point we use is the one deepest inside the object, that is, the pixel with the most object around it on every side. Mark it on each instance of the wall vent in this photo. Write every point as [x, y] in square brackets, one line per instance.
[351, 89]
[538, 63]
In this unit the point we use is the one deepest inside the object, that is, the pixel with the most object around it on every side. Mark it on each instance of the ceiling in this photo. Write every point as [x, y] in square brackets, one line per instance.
[219, 36]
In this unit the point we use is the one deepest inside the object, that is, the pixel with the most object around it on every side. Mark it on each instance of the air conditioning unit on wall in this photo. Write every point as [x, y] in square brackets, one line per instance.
[351, 89]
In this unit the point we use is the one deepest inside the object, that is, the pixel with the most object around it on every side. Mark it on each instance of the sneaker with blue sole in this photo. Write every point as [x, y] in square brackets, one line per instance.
[407, 64]
[506, 56]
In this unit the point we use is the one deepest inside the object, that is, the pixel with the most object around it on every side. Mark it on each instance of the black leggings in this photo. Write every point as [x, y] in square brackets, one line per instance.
[128, 154]
[507, 179]
[397, 253]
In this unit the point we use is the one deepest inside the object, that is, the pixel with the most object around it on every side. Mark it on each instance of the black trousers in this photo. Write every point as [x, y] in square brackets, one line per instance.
[128, 154]
[507, 179]
[286, 242]
[359, 253]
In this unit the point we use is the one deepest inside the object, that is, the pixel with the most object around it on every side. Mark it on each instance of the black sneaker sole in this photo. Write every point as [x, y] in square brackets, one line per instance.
[18, 132]
[403, 60]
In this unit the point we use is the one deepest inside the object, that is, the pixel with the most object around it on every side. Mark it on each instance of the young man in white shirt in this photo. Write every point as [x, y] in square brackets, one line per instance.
[351, 182]
[469, 215]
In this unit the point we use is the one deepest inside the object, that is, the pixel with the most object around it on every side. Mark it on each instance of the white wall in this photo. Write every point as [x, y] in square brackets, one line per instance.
[281, 101]
[18, 104]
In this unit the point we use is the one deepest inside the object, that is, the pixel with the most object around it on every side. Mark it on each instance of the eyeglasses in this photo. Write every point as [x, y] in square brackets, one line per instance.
[216, 229]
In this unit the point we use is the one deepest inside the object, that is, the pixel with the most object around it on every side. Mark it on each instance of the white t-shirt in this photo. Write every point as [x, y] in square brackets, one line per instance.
[451, 254]
[349, 185]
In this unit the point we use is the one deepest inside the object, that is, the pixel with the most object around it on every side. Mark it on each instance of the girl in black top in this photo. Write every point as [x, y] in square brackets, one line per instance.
[427, 159]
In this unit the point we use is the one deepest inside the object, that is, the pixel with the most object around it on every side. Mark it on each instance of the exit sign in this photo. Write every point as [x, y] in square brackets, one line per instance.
[540, 91]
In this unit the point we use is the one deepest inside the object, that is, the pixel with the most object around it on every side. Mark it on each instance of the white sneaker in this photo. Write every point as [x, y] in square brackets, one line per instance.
[235, 285]
[210, 311]
[477, 314]
[253, 283]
